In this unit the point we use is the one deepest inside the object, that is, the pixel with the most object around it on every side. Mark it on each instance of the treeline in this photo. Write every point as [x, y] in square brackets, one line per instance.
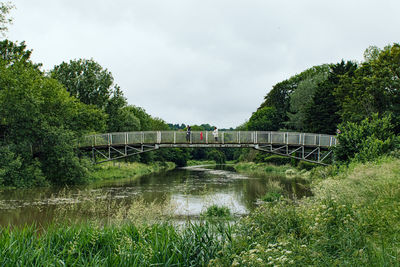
[360, 100]
[42, 113]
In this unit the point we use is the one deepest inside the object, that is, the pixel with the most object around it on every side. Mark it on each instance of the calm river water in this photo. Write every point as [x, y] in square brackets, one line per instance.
[189, 190]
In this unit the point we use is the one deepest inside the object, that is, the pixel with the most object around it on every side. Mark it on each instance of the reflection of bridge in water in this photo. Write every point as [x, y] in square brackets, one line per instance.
[304, 146]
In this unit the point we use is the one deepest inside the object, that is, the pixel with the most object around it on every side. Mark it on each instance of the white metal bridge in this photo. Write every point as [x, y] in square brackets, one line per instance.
[303, 146]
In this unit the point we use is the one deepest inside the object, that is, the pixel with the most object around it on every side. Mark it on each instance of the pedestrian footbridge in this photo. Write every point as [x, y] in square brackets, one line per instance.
[304, 146]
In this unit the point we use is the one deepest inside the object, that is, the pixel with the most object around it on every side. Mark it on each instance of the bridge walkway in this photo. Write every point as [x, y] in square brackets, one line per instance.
[304, 146]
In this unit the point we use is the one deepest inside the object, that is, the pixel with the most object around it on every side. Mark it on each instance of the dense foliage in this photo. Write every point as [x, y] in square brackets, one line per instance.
[355, 98]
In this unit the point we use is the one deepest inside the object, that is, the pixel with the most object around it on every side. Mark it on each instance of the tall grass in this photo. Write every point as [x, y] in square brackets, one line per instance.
[124, 245]
[352, 220]
[120, 170]
[261, 168]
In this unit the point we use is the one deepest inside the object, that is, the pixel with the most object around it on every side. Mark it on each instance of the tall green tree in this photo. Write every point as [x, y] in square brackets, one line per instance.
[86, 80]
[375, 88]
[302, 97]
[39, 122]
[321, 113]
[264, 119]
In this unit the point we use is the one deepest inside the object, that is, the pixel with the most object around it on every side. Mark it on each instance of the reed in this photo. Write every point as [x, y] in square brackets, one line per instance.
[123, 245]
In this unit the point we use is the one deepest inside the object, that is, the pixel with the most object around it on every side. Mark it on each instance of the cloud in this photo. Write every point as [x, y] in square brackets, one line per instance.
[203, 61]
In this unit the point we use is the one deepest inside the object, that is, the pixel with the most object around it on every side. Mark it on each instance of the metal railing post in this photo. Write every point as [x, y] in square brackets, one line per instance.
[222, 137]
[174, 137]
[206, 137]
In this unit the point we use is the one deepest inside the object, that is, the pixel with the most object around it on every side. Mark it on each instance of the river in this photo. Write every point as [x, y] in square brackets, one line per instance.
[186, 192]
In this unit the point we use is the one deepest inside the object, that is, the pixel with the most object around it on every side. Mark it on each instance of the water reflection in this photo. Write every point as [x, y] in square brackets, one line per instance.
[189, 191]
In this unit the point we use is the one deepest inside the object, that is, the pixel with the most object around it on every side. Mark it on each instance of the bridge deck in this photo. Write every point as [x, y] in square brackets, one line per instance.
[206, 139]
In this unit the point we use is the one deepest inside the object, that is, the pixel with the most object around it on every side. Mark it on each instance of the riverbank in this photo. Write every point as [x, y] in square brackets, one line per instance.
[252, 168]
[121, 170]
[351, 220]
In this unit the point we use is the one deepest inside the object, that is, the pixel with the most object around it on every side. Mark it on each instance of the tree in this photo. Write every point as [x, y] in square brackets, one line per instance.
[144, 118]
[5, 8]
[279, 98]
[12, 53]
[374, 88]
[86, 80]
[158, 124]
[371, 53]
[302, 97]
[39, 118]
[321, 114]
[365, 140]
[264, 119]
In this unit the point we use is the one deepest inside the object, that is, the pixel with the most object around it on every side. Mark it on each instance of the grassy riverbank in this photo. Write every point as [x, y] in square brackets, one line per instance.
[352, 220]
[261, 168]
[120, 170]
[193, 162]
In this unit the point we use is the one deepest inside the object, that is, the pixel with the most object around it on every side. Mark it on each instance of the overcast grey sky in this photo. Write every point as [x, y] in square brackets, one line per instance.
[209, 61]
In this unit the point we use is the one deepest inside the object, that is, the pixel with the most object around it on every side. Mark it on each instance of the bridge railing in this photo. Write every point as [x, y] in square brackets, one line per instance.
[207, 137]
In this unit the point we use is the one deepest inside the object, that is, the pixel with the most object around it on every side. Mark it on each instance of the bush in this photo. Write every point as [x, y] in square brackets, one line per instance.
[216, 155]
[271, 197]
[274, 159]
[304, 165]
[365, 141]
[215, 211]
[16, 171]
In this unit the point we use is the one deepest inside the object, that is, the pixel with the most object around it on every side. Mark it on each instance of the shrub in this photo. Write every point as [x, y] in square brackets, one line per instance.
[366, 140]
[304, 165]
[217, 155]
[274, 159]
[215, 211]
[274, 191]
[271, 197]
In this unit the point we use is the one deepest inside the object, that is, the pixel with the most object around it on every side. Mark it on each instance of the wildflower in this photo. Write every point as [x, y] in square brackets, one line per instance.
[235, 263]
[251, 251]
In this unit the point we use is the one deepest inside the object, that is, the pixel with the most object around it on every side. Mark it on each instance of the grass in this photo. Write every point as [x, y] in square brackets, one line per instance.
[120, 170]
[193, 162]
[113, 245]
[261, 168]
[351, 220]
